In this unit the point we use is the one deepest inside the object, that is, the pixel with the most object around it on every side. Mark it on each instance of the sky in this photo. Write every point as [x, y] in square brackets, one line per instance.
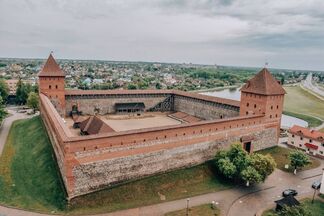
[284, 33]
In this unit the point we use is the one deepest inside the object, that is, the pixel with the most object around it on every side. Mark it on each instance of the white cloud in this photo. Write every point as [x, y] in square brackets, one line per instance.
[236, 32]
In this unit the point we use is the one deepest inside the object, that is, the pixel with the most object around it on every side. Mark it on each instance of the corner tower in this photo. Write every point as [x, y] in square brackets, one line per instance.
[52, 84]
[264, 95]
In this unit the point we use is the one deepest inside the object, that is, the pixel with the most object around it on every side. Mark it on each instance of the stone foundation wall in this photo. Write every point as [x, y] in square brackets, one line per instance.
[204, 110]
[107, 104]
[96, 175]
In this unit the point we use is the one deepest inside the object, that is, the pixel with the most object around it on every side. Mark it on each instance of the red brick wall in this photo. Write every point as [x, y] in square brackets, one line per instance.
[54, 88]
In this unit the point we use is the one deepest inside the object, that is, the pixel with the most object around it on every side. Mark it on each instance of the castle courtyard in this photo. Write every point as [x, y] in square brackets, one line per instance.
[125, 122]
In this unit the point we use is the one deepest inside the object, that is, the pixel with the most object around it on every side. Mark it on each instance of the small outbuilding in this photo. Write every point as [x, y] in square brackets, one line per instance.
[286, 201]
[134, 107]
[94, 125]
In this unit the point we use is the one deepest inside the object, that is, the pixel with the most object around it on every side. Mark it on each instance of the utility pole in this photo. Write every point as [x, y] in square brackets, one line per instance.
[187, 214]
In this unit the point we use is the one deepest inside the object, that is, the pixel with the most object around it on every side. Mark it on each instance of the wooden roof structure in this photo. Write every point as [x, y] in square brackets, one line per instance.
[94, 125]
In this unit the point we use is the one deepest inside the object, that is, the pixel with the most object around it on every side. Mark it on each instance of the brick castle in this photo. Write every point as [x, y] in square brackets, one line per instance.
[96, 161]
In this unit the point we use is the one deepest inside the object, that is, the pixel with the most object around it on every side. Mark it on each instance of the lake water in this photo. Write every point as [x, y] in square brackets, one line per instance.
[235, 94]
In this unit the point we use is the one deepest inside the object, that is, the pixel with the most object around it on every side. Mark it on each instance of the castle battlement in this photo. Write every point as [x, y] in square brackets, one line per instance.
[92, 162]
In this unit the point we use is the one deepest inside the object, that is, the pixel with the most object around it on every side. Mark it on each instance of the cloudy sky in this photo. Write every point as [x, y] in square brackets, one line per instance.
[286, 33]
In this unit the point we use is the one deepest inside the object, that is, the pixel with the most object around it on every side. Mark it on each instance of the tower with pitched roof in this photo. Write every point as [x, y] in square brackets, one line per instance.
[52, 83]
[263, 95]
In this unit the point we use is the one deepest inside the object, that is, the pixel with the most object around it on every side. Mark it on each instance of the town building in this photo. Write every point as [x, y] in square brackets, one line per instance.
[309, 140]
[12, 84]
[175, 129]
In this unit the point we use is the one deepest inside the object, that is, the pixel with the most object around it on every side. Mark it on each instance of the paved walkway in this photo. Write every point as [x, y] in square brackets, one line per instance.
[245, 201]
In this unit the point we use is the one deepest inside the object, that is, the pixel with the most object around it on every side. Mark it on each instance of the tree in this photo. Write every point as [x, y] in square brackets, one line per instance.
[131, 86]
[4, 90]
[251, 175]
[264, 164]
[237, 164]
[299, 210]
[32, 101]
[22, 92]
[227, 168]
[158, 85]
[3, 113]
[239, 157]
[298, 159]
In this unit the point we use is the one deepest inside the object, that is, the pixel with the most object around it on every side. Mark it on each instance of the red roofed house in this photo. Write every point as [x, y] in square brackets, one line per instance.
[311, 141]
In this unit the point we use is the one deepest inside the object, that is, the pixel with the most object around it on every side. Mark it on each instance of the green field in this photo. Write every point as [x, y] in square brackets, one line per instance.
[316, 208]
[29, 179]
[280, 155]
[299, 101]
[202, 210]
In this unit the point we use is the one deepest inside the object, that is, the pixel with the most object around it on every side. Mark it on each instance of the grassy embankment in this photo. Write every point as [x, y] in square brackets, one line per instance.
[202, 210]
[316, 208]
[303, 105]
[29, 179]
[280, 155]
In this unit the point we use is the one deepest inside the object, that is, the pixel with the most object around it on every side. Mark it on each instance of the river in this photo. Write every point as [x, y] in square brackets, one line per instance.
[235, 94]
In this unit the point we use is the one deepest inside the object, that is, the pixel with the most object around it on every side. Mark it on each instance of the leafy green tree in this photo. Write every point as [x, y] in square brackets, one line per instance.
[239, 157]
[32, 101]
[3, 113]
[158, 85]
[250, 175]
[299, 210]
[237, 164]
[22, 92]
[131, 86]
[4, 90]
[264, 164]
[298, 159]
[227, 168]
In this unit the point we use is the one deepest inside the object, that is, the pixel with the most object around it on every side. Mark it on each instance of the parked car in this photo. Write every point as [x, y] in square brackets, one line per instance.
[316, 185]
[289, 192]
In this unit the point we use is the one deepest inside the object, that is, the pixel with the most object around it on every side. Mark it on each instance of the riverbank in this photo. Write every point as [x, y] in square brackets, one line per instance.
[217, 89]
[304, 105]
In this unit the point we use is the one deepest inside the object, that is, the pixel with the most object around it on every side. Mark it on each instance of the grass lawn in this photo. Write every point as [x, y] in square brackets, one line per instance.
[299, 101]
[29, 179]
[202, 210]
[322, 130]
[316, 208]
[280, 155]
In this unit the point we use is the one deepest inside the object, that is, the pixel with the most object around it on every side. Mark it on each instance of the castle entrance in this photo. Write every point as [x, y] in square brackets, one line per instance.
[247, 147]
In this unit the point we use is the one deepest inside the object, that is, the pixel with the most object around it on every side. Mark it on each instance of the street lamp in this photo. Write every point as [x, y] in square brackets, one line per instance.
[187, 206]
[314, 195]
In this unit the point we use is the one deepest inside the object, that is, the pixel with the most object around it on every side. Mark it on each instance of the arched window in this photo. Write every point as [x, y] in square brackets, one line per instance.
[247, 104]
[56, 87]
[50, 87]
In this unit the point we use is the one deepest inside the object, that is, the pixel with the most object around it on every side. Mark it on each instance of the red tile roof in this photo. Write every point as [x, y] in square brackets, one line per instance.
[263, 83]
[51, 69]
[313, 134]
